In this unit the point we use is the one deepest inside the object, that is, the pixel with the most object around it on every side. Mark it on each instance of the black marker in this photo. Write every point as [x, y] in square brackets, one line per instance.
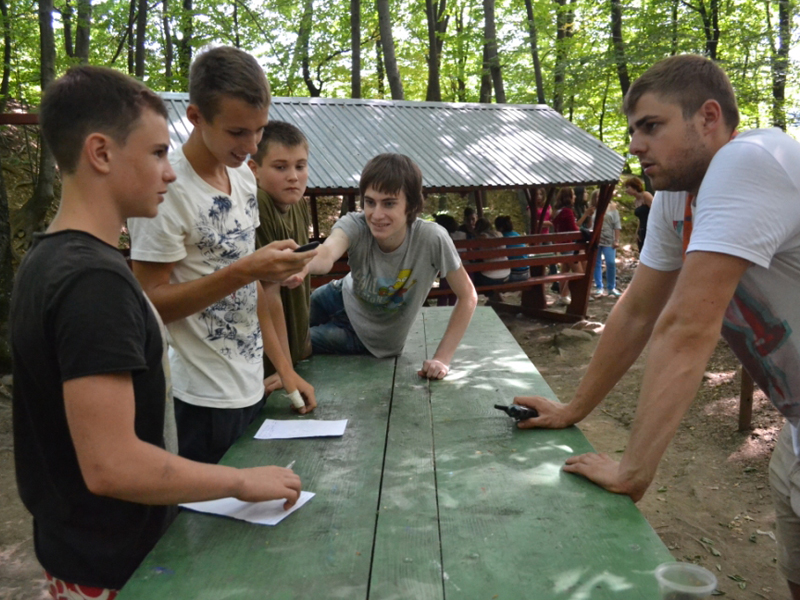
[307, 247]
[520, 413]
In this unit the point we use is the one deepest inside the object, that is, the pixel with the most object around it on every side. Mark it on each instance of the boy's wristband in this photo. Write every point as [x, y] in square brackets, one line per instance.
[297, 399]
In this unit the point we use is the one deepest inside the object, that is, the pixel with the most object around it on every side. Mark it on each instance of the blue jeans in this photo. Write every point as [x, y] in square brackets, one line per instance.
[331, 330]
[609, 254]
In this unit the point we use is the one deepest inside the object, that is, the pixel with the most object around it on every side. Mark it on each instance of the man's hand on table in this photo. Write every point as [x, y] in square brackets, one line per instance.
[433, 369]
[269, 483]
[552, 415]
[605, 472]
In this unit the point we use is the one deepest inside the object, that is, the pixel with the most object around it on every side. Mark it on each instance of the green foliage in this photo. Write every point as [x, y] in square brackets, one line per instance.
[652, 29]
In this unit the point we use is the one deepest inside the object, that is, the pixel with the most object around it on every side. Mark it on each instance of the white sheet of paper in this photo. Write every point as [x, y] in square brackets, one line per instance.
[284, 430]
[262, 513]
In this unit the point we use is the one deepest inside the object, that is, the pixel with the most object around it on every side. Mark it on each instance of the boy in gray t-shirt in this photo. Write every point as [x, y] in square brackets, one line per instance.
[394, 258]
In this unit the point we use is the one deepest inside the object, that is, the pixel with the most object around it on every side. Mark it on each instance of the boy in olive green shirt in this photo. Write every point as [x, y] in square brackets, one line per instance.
[281, 169]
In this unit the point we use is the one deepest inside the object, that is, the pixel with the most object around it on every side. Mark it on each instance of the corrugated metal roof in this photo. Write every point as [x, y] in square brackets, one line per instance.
[457, 146]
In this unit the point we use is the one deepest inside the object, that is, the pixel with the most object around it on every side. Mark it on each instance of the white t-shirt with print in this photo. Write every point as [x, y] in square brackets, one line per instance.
[748, 206]
[216, 354]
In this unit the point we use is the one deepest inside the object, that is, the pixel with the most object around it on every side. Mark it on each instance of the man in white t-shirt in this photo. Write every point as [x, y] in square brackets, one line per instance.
[722, 253]
[198, 264]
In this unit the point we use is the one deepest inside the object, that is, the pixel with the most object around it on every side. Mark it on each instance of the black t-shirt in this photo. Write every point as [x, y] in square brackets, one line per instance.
[76, 311]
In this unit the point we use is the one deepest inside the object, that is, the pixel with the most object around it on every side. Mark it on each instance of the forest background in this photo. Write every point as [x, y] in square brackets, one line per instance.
[578, 56]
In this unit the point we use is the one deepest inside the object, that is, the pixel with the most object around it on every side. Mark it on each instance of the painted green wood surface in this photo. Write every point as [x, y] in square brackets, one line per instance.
[407, 560]
[430, 494]
[321, 551]
[513, 525]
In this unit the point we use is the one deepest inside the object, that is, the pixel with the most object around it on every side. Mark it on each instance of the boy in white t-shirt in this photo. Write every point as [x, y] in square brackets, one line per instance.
[722, 254]
[197, 261]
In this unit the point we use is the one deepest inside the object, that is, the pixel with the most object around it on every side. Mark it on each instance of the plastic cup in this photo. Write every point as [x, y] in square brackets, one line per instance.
[684, 581]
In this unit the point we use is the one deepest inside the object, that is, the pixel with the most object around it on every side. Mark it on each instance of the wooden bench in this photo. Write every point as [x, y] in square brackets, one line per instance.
[430, 494]
[537, 253]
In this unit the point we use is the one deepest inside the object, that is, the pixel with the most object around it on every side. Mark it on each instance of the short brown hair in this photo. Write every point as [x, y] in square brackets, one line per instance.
[689, 80]
[635, 183]
[391, 173]
[226, 71]
[279, 132]
[86, 100]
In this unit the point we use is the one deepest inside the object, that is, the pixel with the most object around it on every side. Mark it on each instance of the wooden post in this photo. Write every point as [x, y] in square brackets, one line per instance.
[314, 216]
[479, 197]
[582, 288]
[746, 400]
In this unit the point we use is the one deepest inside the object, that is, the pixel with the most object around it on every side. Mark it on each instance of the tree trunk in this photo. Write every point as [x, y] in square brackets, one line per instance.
[460, 59]
[563, 33]
[379, 70]
[619, 46]
[66, 20]
[4, 85]
[168, 48]
[83, 31]
[6, 275]
[603, 110]
[141, 33]
[780, 62]
[237, 43]
[485, 94]
[355, 48]
[185, 42]
[387, 42]
[537, 65]
[131, 38]
[437, 26]
[710, 18]
[302, 48]
[491, 51]
[674, 28]
[30, 217]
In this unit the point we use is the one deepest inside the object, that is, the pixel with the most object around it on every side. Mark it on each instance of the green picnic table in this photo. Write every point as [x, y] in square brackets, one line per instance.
[430, 494]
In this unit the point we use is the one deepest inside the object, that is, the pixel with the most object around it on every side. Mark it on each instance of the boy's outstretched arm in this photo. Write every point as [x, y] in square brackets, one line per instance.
[275, 352]
[114, 462]
[467, 299]
[274, 262]
[328, 253]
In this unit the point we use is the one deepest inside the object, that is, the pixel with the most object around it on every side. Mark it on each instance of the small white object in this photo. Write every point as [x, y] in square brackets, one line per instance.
[261, 513]
[272, 429]
[297, 399]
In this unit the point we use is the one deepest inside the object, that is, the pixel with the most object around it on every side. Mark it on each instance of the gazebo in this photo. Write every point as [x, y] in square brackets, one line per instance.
[461, 148]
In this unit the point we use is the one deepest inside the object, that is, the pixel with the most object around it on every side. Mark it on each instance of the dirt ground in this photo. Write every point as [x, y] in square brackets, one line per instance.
[710, 502]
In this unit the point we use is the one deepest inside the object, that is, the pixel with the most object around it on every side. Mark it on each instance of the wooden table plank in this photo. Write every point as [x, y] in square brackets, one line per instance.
[514, 525]
[407, 559]
[323, 550]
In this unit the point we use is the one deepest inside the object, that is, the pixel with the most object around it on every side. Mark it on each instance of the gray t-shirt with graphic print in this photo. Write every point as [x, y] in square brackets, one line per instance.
[384, 291]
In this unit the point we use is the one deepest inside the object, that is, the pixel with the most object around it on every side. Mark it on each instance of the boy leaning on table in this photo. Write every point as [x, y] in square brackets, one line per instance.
[394, 257]
[89, 387]
[198, 263]
[722, 254]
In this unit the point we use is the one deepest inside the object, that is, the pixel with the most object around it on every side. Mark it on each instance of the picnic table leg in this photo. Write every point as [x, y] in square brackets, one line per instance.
[745, 401]
[534, 297]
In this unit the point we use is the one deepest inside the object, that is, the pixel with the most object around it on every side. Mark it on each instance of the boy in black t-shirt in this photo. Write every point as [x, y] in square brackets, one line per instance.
[89, 387]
